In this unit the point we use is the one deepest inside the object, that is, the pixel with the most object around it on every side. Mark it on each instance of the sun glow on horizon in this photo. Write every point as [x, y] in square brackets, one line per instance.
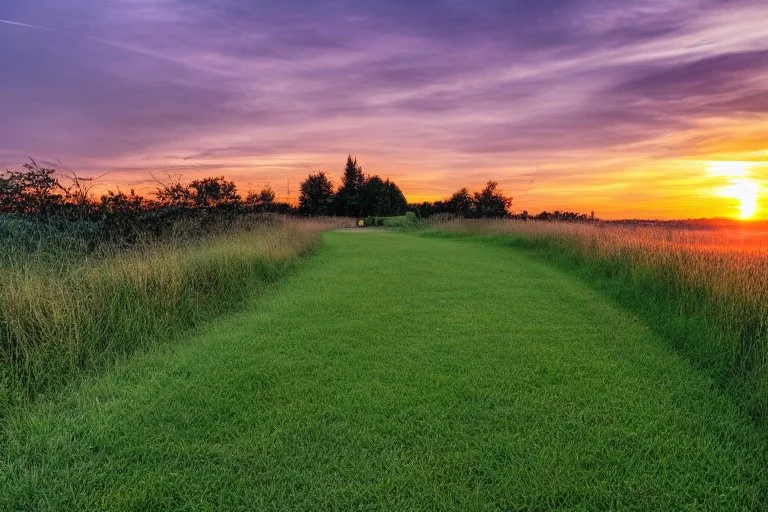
[739, 187]
[745, 190]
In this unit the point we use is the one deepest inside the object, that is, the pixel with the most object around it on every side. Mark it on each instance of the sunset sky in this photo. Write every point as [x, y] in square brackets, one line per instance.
[632, 109]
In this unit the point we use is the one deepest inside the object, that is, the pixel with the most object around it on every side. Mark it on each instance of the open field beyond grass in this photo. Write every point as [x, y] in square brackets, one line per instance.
[402, 373]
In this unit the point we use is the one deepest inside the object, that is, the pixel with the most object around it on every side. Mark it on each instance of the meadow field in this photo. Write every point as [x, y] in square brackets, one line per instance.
[702, 285]
[68, 307]
[458, 365]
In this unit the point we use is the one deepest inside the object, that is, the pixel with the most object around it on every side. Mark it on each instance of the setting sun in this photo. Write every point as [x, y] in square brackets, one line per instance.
[745, 191]
[738, 186]
[657, 124]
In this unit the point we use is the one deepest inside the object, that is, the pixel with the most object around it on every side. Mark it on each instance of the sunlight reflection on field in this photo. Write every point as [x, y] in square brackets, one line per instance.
[734, 238]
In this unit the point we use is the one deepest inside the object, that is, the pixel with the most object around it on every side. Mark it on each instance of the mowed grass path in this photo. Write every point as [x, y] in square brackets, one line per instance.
[400, 373]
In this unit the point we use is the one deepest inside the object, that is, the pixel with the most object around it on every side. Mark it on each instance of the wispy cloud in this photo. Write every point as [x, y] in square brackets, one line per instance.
[435, 94]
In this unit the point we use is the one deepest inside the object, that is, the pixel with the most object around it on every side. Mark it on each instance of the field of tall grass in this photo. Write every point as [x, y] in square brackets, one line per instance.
[705, 290]
[66, 308]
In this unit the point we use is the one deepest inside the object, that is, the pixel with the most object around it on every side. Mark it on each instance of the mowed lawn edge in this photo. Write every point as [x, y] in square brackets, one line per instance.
[720, 335]
[396, 372]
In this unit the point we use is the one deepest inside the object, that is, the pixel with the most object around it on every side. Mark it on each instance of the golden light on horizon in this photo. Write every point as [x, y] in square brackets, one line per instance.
[745, 190]
[739, 187]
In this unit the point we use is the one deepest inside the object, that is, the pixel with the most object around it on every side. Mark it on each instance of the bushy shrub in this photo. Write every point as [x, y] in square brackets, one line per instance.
[402, 221]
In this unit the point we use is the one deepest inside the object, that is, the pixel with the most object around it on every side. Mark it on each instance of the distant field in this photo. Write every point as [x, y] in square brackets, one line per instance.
[397, 372]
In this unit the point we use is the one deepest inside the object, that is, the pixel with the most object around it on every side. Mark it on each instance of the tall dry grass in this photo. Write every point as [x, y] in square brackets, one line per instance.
[705, 289]
[62, 316]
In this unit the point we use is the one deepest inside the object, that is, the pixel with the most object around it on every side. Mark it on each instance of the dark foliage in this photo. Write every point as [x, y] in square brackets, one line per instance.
[174, 194]
[266, 195]
[461, 203]
[489, 202]
[32, 192]
[121, 204]
[38, 193]
[37, 206]
[381, 197]
[562, 216]
[347, 200]
[360, 195]
[209, 192]
[315, 195]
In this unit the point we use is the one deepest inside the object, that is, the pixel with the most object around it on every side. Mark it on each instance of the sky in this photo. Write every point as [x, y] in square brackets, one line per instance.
[642, 109]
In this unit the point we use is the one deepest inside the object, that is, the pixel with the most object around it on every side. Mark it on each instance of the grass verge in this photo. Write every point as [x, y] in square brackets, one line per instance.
[705, 292]
[61, 318]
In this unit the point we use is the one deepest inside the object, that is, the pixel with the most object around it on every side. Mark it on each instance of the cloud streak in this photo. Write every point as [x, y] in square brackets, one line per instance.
[435, 94]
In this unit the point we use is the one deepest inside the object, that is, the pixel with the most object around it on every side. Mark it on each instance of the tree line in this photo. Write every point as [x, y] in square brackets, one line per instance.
[37, 191]
[489, 202]
[358, 195]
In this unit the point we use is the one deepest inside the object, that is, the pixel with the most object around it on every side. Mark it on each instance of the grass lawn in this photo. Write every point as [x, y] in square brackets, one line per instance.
[401, 373]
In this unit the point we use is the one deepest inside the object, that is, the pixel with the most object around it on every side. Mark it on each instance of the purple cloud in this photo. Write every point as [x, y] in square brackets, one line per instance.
[127, 85]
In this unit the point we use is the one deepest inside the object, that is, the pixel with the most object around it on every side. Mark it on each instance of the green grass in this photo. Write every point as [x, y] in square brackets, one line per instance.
[408, 220]
[396, 373]
[703, 292]
[67, 312]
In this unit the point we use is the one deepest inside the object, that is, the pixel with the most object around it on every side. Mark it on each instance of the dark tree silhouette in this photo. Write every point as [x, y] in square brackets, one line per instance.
[563, 216]
[315, 194]
[11, 193]
[174, 194]
[347, 199]
[461, 203]
[372, 197]
[119, 203]
[381, 197]
[427, 209]
[491, 202]
[267, 195]
[393, 201]
[34, 191]
[252, 198]
[214, 191]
